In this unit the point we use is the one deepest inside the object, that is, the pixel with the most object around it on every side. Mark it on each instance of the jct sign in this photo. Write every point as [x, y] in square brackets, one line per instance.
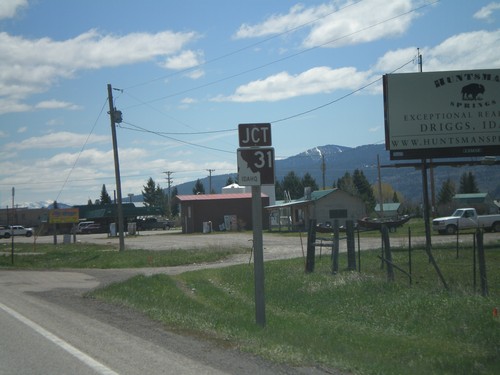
[255, 163]
[256, 166]
[254, 135]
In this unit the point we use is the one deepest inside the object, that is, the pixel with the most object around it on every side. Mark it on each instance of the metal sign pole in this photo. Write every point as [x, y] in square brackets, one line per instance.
[260, 307]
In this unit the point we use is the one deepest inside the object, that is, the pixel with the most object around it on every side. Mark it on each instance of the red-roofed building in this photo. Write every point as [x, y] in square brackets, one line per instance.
[224, 211]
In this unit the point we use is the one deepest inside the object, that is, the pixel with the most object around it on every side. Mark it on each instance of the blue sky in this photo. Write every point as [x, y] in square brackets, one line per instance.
[188, 72]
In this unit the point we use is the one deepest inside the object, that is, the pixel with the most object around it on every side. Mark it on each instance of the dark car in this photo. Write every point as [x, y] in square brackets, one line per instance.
[92, 228]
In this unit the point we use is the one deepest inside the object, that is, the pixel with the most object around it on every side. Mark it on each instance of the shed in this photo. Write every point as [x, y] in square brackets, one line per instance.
[324, 206]
[389, 210]
[482, 202]
[223, 211]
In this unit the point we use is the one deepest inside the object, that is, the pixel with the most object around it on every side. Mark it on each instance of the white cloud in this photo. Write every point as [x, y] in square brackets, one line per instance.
[485, 12]
[9, 8]
[56, 140]
[22, 129]
[474, 50]
[55, 104]
[184, 60]
[284, 85]
[337, 24]
[30, 66]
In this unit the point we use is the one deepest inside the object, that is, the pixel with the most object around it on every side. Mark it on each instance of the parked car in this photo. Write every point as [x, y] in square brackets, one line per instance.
[91, 228]
[465, 218]
[16, 230]
[82, 225]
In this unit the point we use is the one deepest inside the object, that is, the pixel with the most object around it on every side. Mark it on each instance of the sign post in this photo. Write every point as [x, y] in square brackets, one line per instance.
[256, 167]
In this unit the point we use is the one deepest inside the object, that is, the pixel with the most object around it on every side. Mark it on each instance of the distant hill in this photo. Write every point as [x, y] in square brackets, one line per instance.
[339, 160]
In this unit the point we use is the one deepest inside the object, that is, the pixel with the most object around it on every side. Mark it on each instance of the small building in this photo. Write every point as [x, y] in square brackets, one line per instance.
[324, 206]
[388, 210]
[219, 211]
[482, 202]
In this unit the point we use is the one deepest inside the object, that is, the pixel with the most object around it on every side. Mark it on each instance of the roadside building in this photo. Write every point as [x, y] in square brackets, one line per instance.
[206, 212]
[324, 206]
[388, 210]
[482, 202]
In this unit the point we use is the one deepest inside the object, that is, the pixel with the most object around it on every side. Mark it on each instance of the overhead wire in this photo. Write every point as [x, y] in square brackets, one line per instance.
[211, 83]
[252, 45]
[144, 130]
[81, 151]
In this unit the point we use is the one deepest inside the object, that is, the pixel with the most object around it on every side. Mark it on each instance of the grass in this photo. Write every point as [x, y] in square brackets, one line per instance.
[355, 322]
[84, 255]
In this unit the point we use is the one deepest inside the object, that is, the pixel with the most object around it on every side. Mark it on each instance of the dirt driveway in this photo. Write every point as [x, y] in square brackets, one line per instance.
[276, 245]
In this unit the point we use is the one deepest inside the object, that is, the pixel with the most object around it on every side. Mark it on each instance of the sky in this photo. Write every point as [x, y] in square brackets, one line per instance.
[185, 73]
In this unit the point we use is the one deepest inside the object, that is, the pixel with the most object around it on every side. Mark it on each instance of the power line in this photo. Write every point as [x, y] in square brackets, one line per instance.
[144, 130]
[285, 57]
[339, 99]
[252, 45]
[81, 151]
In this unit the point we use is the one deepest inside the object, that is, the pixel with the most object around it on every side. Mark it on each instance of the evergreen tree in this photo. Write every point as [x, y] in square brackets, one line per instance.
[174, 207]
[229, 181]
[364, 188]
[346, 184]
[105, 198]
[395, 198]
[446, 192]
[198, 187]
[149, 193]
[293, 185]
[309, 181]
[278, 190]
[468, 184]
[89, 202]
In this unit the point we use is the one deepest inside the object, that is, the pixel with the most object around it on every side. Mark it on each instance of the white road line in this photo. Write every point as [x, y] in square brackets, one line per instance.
[89, 361]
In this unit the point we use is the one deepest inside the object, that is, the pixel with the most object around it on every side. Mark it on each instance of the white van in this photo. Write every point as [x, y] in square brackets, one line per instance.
[82, 225]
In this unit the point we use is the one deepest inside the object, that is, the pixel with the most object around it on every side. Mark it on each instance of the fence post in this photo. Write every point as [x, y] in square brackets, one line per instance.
[311, 248]
[409, 254]
[335, 247]
[482, 263]
[351, 251]
[388, 254]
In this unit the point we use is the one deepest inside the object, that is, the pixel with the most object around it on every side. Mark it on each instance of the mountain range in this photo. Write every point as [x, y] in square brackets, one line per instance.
[340, 159]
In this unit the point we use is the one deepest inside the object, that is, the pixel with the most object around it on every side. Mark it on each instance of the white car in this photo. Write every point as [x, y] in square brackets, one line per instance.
[16, 230]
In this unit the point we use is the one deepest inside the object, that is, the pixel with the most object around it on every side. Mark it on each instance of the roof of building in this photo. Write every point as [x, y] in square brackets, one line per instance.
[315, 195]
[388, 206]
[209, 197]
[471, 196]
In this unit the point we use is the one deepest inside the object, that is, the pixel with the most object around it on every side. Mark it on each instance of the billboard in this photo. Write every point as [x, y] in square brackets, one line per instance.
[442, 114]
[63, 215]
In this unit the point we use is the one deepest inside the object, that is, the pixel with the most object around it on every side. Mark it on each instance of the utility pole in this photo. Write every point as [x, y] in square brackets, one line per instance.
[323, 169]
[116, 117]
[169, 183]
[210, 180]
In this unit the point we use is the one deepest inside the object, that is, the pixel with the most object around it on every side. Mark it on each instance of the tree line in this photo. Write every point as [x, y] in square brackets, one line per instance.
[292, 187]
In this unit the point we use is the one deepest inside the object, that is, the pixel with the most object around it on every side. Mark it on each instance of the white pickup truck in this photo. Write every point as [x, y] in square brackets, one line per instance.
[17, 230]
[466, 218]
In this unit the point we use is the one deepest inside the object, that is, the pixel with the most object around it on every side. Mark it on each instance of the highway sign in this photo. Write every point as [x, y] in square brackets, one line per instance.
[254, 135]
[256, 166]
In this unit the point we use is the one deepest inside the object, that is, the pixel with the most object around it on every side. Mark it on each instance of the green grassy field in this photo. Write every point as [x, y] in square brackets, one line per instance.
[355, 322]
[84, 255]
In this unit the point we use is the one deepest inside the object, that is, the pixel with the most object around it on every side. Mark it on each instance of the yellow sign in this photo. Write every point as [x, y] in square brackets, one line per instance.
[64, 215]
